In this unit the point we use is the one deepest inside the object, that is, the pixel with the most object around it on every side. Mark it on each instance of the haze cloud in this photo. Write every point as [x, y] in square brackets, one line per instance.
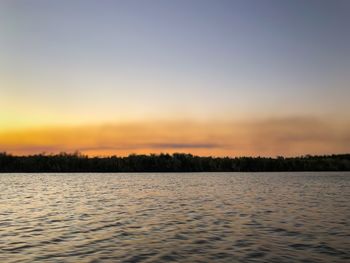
[268, 137]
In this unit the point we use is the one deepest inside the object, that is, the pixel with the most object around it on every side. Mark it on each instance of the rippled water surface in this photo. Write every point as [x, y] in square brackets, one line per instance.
[204, 217]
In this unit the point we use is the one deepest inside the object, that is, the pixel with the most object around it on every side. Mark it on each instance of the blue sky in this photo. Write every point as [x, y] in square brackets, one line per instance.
[87, 62]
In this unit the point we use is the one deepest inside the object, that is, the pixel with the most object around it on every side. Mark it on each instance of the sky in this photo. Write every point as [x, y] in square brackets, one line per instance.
[222, 78]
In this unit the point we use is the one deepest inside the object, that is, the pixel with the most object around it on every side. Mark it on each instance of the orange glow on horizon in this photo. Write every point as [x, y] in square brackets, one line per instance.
[287, 137]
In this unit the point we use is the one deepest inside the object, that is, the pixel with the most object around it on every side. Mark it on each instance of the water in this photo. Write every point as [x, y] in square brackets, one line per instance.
[204, 217]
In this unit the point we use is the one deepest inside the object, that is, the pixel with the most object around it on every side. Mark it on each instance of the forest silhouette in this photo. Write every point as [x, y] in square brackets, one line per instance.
[177, 162]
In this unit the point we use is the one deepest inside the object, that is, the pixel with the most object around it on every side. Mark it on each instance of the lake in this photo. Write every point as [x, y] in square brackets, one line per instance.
[172, 217]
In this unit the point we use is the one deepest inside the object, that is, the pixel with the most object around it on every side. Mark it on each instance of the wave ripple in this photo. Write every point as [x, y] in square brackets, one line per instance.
[206, 217]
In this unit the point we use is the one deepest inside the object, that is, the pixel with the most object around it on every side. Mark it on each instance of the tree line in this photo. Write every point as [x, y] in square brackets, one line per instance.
[177, 162]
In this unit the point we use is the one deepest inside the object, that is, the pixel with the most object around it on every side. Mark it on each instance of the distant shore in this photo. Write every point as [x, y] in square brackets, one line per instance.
[177, 162]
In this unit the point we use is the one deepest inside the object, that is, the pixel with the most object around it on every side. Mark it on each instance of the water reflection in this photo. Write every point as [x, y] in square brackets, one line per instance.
[223, 217]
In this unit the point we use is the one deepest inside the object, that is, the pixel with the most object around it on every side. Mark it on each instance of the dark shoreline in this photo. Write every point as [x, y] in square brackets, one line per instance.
[177, 163]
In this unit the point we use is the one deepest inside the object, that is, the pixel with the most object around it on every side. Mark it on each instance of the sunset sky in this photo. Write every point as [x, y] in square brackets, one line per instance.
[222, 78]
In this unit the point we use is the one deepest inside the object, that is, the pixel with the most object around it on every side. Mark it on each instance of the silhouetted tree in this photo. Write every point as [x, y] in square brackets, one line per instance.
[177, 162]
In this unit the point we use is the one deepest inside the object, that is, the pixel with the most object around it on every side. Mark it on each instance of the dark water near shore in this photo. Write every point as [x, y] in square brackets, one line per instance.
[205, 217]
